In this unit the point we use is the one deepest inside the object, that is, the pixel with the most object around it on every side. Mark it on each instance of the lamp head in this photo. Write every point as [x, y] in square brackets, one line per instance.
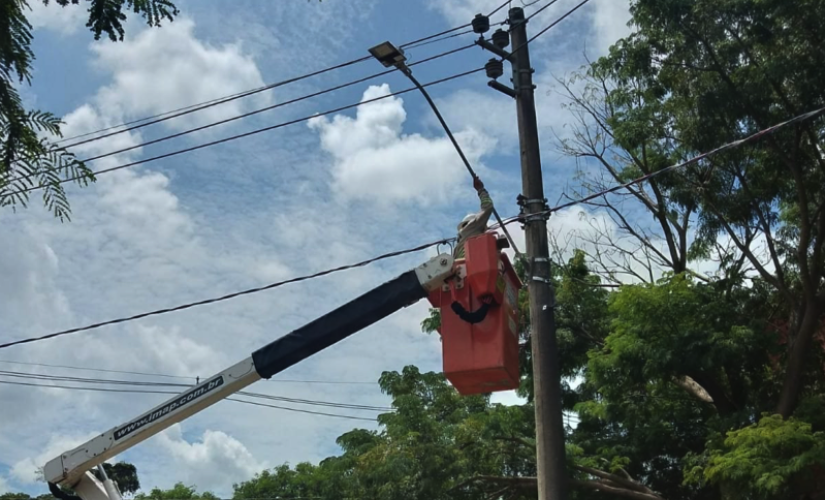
[388, 54]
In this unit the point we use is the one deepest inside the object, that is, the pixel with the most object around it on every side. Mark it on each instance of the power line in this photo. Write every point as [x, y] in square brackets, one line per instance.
[739, 142]
[161, 117]
[270, 108]
[166, 375]
[157, 118]
[312, 412]
[548, 27]
[252, 132]
[228, 296]
[540, 9]
[103, 370]
[138, 383]
[138, 391]
[244, 115]
[554, 23]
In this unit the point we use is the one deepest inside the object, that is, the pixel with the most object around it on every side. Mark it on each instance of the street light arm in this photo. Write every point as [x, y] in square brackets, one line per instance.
[408, 72]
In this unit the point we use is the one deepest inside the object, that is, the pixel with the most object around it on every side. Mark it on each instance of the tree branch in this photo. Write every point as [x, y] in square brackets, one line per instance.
[693, 388]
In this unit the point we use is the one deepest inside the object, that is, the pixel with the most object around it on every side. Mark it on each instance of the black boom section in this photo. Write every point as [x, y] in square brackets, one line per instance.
[339, 324]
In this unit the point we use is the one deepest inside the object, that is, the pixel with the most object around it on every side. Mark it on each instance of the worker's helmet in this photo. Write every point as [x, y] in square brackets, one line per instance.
[466, 220]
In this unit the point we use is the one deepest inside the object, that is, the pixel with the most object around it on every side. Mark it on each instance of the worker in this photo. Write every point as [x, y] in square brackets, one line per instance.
[474, 224]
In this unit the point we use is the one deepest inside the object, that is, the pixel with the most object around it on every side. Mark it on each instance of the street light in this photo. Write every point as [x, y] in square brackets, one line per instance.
[388, 54]
[391, 56]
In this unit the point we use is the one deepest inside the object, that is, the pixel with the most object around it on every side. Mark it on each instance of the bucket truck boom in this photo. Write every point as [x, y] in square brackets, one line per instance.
[73, 468]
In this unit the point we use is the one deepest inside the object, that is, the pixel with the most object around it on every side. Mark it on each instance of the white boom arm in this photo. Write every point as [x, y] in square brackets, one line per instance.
[73, 468]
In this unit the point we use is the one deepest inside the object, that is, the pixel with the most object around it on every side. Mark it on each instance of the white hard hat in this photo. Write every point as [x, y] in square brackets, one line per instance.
[466, 220]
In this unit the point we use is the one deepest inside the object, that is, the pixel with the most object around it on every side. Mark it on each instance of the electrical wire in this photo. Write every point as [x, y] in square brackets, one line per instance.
[165, 375]
[540, 9]
[185, 111]
[546, 28]
[138, 391]
[554, 23]
[161, 117]
[245, 115]
[102, 370]
[733, 144]
[227, 296]
[270, 108]
[250, 133]
[140, 383]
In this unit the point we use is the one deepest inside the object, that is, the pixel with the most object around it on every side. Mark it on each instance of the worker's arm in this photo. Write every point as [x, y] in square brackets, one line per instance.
[71, 467]
[486, 205]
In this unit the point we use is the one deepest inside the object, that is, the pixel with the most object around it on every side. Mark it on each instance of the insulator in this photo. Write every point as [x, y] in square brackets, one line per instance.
[501, 38]
[481, 24]
[494, 68]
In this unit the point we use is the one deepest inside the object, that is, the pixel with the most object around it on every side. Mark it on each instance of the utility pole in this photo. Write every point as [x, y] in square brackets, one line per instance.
[550, 451]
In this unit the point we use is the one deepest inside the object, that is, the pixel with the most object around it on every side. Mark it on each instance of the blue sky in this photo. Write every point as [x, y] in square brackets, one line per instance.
[272, 206]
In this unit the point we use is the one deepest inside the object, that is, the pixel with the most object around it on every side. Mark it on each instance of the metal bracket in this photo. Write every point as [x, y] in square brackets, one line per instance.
[523, 201]
[457, 278]
[484, 44]
[504, 89]
[540, 216]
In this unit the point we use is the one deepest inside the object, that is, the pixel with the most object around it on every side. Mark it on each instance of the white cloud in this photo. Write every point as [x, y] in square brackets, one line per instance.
[26, 470]
[485, 110]
[244, 214]
[376, 161]
[555, 55]
[213, 463]
[64, 20]
[164, 69]
[610, 20]
[460, 12]
[507, 398]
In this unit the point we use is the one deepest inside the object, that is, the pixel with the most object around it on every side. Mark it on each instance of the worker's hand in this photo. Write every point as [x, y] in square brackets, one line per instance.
[478, 184]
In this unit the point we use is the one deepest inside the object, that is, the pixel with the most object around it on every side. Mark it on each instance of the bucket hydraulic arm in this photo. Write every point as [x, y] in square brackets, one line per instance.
[73, 468]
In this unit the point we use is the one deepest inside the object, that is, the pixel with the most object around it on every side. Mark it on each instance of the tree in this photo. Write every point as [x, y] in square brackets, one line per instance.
[177, 492]
[740, 341]
[28, 157]
[699, 74]
[124, 475]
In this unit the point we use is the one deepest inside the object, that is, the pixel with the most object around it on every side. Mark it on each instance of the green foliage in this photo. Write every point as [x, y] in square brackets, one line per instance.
[28, 157]
[124, 475]
[177, 492]
[432, 322]
[773, 458]
[429, 448]
[24, 496]
[107, 16]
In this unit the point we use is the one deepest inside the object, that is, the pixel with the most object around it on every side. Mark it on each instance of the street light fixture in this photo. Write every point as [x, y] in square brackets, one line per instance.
[388, 54]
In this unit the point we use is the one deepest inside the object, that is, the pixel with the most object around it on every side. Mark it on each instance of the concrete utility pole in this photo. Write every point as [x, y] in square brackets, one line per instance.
[550, 452]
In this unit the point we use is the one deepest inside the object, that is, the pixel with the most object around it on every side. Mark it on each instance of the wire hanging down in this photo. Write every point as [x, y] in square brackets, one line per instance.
[252, 132]
[228, 296]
